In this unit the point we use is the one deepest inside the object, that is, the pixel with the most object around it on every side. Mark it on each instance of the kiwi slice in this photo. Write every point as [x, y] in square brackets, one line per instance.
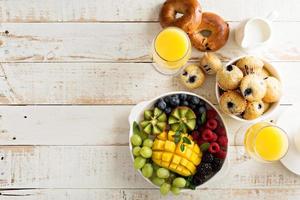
[182, 117]
[155, 121]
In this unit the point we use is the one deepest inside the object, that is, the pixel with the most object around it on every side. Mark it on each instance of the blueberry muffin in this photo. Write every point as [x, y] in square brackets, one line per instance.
[192, 77]
[232, 102]
[250, 64]
[264, 73]
[254, 110]
[210, 63]
[229, 77]
[253, 87]
[274, 90]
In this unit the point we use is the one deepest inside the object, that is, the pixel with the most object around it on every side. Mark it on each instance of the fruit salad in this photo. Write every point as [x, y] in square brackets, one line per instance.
[179, 144]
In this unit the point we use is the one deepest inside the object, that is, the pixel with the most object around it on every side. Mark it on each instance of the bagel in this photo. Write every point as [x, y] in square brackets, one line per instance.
[211, 34]
[190, 10]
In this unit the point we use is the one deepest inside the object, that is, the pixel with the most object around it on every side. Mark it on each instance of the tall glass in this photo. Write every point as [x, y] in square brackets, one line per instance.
[171, 50]
[266, 142]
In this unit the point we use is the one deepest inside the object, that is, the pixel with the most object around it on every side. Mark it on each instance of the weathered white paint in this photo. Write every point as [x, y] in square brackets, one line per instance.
[111, 167]
[118, 42]
[107, 83]
[142, 10]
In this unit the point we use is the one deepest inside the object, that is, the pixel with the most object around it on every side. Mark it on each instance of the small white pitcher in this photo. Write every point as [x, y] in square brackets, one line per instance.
[255, 31]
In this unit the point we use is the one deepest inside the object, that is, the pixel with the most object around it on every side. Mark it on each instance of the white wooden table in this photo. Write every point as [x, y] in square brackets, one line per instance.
[71, 71]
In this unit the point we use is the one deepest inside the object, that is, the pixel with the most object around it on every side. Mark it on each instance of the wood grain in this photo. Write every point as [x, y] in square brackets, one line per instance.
[149, 194]
[118, 42]
[107, 83]
[77, 125]
[111, 167]
[142, 10]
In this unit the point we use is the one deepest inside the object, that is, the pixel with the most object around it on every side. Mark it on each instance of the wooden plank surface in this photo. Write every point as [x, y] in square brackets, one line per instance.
[142, 10]
[107, 83]
[118, 42]
[111, 167]
[78, 125]
[148, 194]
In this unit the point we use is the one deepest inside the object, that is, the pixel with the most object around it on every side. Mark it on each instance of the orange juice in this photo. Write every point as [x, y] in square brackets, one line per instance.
[172, 48]
[266, 142]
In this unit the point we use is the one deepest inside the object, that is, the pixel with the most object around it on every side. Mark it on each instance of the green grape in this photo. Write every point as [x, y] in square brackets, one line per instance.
[136, 151]
[146, 152]
[147, 170]
[139, 162]
[165, 188]
[157, 181]
[136, 140]
[163, 173]
[179, 182]
[175, 190]
[148, 143]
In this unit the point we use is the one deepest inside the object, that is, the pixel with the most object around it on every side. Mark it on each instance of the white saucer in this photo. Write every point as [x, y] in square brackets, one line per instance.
[289, 121]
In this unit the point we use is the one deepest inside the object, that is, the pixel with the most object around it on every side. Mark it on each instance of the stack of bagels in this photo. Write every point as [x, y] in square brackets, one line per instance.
[207, 31]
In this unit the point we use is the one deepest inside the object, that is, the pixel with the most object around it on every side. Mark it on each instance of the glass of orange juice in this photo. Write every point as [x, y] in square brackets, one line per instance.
[266, 142]
[171, 50]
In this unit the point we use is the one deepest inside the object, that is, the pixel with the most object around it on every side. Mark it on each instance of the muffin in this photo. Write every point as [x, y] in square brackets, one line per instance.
[266, 106]
[274, 90]
[229, 77]
[264, 73]
[250, 64]
[253, 87]
[210, 63]
[254, 110]
[232, 102]
[192, 77]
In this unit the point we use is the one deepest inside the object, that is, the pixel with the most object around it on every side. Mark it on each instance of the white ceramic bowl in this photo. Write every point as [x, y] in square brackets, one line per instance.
[137, 114]
[272, 107]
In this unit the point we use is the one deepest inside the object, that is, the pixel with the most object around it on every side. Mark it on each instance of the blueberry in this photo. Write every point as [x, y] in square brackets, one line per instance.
[201, 103]
[195, 100]
[199, 121]
[192, 106]
[167, 99]
[183, 97]
[185, 103]
[174, 101]
[189, 97]
[202, 109]
[168, 110]
[161, 104]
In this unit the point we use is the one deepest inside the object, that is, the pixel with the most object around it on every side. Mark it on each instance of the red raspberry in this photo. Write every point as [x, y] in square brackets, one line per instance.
[214, 147]
[221, 131]
[207, 135]
[214, 138]
[195, 135]
[211, 114]
[212, 124]
[222, 141]
[221, 154]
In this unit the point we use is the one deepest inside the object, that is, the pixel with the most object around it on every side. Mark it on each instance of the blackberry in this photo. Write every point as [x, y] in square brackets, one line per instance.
[198, 179]
[208, 158]
[205, 169]
[216, 164]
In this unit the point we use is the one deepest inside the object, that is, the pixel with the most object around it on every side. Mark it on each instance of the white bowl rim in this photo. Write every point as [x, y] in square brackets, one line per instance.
[272, 108]
[147, 103]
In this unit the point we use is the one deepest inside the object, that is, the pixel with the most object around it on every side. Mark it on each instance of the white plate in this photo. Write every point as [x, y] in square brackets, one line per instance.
[289, 122]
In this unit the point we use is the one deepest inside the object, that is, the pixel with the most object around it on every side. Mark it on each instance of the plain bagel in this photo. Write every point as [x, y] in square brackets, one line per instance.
[211, 34]
[190, 10]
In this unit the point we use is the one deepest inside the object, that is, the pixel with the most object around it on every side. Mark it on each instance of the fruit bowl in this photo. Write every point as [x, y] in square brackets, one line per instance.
[271, 107]
[172, 132]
